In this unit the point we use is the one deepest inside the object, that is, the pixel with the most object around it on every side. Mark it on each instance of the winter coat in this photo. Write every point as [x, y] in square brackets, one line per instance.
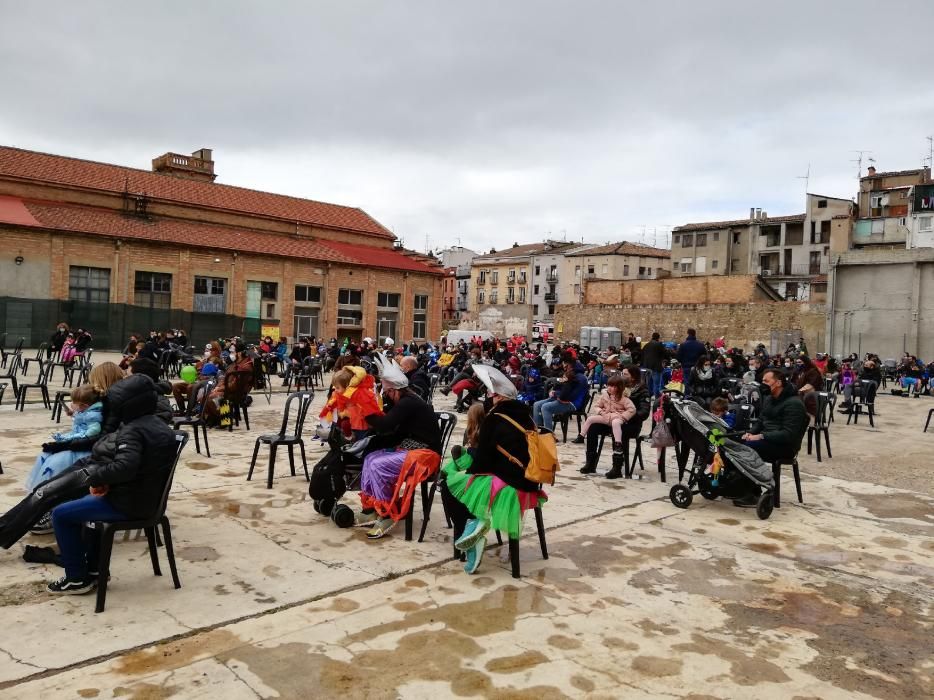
[498, 432]
[575, 390]
[619, 408]
[411, 418]
[85, 424]
[689, 351]
[783, 421]
[654, 355]
[704, 389]
[639, 395]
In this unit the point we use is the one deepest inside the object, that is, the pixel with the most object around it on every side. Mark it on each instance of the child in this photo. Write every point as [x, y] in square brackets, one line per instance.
[613, 409]
[353, 398]
[69, 350]
[86, 411]
[720, 408]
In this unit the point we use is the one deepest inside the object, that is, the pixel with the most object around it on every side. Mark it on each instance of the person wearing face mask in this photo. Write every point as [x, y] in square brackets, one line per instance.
[705, 382]
[234, 385]
[493, 492]
[808, 380]
[299, 353]
[778, 431]
[57, 341]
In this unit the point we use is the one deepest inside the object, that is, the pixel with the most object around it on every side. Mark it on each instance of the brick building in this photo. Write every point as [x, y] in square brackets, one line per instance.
[123, 250]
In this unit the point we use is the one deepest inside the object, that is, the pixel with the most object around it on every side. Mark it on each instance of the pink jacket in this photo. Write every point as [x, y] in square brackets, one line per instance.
[623, 408]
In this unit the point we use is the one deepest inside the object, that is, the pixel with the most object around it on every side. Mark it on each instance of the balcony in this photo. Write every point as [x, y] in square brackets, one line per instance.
[510, 300]
[551, 276]
[522, 279]
[796, 270]
[481, 281]
[511, 278]
[551, 297]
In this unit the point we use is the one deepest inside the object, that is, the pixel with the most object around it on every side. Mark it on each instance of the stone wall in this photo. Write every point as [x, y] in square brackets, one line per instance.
[742, 324]
[710, 289]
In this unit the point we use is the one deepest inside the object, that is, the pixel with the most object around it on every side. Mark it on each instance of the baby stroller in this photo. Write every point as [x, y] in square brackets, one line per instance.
[336, 473]
[722, 467]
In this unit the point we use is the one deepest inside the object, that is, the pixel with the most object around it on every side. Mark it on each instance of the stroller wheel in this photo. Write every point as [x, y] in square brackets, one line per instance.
[707, 490]
[681, 496]
[765, 505]
[325, 505]
[316, 504]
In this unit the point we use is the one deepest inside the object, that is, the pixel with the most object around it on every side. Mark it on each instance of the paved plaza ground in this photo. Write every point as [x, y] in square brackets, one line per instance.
[830, 599]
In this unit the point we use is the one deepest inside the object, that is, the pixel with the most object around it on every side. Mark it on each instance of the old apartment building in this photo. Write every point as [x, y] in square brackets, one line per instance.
[613, 261]
[122, 250]
[884, 199]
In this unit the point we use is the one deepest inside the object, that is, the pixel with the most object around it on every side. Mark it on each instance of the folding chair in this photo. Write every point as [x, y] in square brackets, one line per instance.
[284, 438]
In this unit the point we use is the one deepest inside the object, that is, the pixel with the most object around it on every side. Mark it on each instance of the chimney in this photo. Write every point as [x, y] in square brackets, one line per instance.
[765, 215]
[752, 213]
[198, 166]
[758, 214]
[870, 171]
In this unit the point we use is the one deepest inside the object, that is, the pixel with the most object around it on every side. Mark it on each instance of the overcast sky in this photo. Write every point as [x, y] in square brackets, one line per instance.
[481, 122]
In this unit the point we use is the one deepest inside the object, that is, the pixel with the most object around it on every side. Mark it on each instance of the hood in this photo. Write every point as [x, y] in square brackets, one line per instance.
[358, 374]
[132, 397]
[163, 388]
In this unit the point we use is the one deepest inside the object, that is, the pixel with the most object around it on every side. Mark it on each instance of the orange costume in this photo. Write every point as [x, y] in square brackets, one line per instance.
[356, 402]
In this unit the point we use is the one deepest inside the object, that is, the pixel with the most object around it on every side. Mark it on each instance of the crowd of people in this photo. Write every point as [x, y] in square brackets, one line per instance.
[109, 465]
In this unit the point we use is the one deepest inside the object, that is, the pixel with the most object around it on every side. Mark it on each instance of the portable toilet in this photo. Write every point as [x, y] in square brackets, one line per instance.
[610, 336]
[594, 339]
[585, 335]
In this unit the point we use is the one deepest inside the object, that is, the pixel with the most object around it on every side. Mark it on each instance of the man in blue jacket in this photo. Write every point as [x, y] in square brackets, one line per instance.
[688, 353]
[571, 396]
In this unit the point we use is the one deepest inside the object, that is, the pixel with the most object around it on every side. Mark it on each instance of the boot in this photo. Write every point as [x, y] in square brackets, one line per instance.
[617, 471]
[590, 464]
[579, 440]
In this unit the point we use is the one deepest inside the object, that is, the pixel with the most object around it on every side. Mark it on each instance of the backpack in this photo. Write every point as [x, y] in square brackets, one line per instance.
[543, 453]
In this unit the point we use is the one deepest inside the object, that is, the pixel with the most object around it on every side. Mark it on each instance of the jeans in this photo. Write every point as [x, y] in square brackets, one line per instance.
[656, 382]
[545, 411]
[68, 519]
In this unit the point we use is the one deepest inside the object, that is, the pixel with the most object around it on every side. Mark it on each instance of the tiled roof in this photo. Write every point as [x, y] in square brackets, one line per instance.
[894, 173]
[520, 251]
[182, 232]
[623, 248]
[85, 174]
[712, 225]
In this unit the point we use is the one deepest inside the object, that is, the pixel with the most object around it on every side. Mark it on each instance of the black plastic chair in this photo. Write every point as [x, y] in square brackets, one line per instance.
[580, 414]
[107, 530]
[514, 543]
[274, 440]
[777, 473]
[16, 352]
[194, 416]
[42, 384]
[446, 422]
[11, 372]
[865, 401]
[303, 375]
[3, 386]
[40, 358]
[821, 426]
[926, 423]
[317, 372]
[58, 404]
[80, 366]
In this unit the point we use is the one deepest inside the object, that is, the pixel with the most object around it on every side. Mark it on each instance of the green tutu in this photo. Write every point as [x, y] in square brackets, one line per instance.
[503, 509]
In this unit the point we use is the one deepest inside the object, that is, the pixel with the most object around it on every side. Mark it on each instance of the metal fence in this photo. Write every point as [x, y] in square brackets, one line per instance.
[112, 324]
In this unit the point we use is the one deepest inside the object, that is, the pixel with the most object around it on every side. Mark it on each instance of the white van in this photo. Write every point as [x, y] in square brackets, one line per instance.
[454, 337]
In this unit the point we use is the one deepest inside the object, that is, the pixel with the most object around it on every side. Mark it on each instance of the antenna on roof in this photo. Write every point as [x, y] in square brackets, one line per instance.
[806, 177]
[859, 161]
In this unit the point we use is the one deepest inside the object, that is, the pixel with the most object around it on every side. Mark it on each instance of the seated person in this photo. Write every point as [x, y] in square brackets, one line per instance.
[780, 428]
[705, 382]
[571, 396]
[493, 491]
[411, 429]
[532, 387]
[182, 390]
[353, 398]
[614, 410]
[720, 407]
[807, 380]
[419, 381]
[235, 385]
[126, 486]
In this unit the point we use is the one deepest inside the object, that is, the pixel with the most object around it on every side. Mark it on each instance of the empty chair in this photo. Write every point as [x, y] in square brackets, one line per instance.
[107, 530]
[821, 425]
[40, 358]
[17, 351]
[10, 374]
[41, 383]
[194, 416]
[865, 402]
[285, 438]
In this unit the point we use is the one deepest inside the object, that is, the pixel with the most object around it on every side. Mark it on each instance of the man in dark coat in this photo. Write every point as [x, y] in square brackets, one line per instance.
[654, 355]
[688, 353]
[125, 486]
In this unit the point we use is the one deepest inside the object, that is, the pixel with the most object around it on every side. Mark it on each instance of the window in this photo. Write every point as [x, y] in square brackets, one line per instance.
[349, 313]
[350, 297]
[521, 295]
[386, 326]
[90, 284]
[305, 321]
[701, 239]
[625, 270]
[648, 271]
[714, 264]
[700, 265]
[551, 309]
[535, 290]
[716, 236]
[821, 203]
[685, 267]
[875, 205]
[925, 223]
[577, 270]
[269, 290]
[481, 297]
[307, 295]
[641, 272]
[511, 275]
[494, 296]
[604, 269]
[535, 309]
[521, 276]
[153, 290]
[590, 269]
[210, 295]
[482, 278]
[736, 236]
[511, 295]
[536, 271]
[387, 300]
[495, 277]
[687, 240]
[675, 239]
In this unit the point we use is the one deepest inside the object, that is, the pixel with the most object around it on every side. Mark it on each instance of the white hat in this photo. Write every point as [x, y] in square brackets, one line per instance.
[368, 339]
[390, 374]
[388, 341]
[495, 381]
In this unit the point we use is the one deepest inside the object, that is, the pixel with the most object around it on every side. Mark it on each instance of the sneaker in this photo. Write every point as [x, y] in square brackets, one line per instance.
[579, 440]
[474, 529]
[380, 529]
[44, 526]
[67, 586]
[750, 500]
[475, 556]
[445, 390]
[366, 518]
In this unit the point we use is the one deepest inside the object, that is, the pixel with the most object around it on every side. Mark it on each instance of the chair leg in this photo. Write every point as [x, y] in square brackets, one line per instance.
[246, 417]
[428, 497]
[794, 467]
[810, 438]
[204, 431]
[408, 521]
[272, 464]
[817, 441]
[928, 421]
[499, 538]
[103, 565]
[291, 458]
[170, 550]
[827, 438]
[627, 469]
[197, 441]
[301, 445]
[777, 492]
[153, 552]
[514, 556]
[871, 413]
[253, 461]
[540, 525]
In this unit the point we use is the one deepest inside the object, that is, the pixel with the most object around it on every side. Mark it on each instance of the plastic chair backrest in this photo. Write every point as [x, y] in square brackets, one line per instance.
[825, 403]
[41, 350]
[196, 408]
[867, 394]
[305, 398]
[44, 374]
[446, 421]
[19, 346]
[181, 439]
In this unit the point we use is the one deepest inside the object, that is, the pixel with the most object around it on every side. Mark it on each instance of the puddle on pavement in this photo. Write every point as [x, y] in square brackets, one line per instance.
[145, 691]
[516, 663]
[200, 466]
[167, 657]
[656, 667]
[198, 554]
[24, 593]
[560, 641]
[896, 505]
[744, 670]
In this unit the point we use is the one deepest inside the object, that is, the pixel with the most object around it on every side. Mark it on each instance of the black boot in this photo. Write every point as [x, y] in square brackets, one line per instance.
[617, 471]
[579, 440]
[590, 464]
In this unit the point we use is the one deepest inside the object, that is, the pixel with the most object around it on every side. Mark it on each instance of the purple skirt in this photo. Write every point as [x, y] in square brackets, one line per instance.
[380, 471]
